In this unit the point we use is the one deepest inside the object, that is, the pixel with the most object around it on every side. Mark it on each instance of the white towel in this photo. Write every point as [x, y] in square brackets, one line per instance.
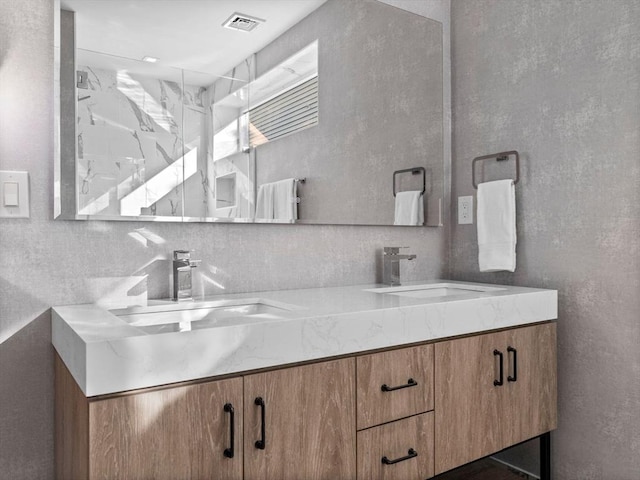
[285, 206]
[264, 202]
[277, 201]
[409, 208]
[497, 226]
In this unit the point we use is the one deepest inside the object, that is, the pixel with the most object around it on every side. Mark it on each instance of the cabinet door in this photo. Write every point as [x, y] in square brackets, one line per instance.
[174, 433]
[309, 423]
[468, 406]
[531, 382]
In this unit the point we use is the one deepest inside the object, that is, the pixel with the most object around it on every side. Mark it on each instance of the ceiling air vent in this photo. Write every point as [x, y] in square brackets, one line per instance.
[242, 22]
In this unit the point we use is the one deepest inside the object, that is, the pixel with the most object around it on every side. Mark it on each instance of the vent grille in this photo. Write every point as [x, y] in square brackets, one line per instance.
[289, 112]
[242, 22]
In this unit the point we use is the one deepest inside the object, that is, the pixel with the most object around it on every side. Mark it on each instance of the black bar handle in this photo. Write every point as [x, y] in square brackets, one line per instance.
[497, 383]
[410, 454]
[262, 443]
[410, 383]
[229, 452]
[515, 364]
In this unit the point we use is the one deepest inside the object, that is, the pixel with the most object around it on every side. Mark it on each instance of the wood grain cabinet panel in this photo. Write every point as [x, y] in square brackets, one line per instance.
[72, 426]
[309, 414]
[408, 376]
[468, 406]
[532, 406]
[174, 433]
[407, 446]
[474, 416]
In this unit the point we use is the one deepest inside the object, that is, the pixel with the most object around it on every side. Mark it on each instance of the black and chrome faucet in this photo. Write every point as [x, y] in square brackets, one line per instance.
[391, 264]
[182, 265]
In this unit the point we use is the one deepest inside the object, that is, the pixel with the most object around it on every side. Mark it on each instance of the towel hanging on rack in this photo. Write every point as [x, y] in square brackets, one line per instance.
[277, 201]
[497, 226]
[409, 208]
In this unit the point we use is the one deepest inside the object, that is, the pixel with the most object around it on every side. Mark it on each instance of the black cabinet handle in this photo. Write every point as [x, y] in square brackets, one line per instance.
[515, 364]
[410, 383]
[262, 443]
[497, 383]
[410, 454]
[229, 452]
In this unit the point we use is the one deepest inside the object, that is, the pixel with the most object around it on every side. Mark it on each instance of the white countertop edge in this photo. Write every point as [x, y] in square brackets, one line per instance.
[134, 362]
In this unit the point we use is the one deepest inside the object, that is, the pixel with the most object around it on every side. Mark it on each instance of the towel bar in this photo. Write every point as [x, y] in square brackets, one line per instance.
[500, 157]
[414, 171]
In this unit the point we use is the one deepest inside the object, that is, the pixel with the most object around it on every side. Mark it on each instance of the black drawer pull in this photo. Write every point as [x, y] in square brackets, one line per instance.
[497, 383]
[513, 378]
[410, 383]
[229, 452]
[410, 454]
[262, 443]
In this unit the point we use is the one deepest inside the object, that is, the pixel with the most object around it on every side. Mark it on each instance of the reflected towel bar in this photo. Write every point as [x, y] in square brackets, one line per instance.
[500, 157]
[299, 180]
[414, 171]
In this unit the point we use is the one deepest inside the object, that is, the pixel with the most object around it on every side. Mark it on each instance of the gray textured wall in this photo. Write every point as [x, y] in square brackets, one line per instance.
[559, 80]
[45, 262]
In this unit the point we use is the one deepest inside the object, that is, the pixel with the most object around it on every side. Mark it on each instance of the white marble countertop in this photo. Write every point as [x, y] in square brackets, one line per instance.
[106, 353]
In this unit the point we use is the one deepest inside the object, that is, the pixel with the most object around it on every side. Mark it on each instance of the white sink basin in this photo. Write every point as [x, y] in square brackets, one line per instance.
[192, 316]
[434, 290]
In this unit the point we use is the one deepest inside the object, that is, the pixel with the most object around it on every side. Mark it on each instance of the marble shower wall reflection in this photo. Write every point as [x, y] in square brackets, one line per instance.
[142, 142]
[228, 146]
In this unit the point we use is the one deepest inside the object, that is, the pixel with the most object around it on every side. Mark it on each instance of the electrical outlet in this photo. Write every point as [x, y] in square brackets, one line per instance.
[465, 210]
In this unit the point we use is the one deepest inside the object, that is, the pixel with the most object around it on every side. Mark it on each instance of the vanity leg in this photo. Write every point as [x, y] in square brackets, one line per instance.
[545, 456]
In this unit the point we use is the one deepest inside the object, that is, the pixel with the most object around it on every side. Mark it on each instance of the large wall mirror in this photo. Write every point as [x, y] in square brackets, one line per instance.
[283, 111]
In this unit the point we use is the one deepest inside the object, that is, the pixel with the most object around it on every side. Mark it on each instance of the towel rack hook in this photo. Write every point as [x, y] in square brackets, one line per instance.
[500, 157]
[414, 171]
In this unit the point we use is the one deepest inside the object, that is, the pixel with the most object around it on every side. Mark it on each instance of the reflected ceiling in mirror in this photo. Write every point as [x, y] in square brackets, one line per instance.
[304, 119]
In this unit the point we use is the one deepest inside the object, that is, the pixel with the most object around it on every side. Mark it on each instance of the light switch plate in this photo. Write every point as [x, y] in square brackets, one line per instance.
[8, 179]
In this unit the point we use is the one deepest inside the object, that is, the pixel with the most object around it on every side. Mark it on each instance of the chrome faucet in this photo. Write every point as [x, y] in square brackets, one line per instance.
[182, 265]
[391, 265]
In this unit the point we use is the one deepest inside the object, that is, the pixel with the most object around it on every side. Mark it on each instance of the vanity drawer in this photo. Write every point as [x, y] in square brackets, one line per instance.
[394, 384]
[401, 449]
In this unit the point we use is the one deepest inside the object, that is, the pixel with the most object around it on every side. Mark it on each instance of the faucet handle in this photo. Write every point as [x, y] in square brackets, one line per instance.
[392, 250]
[182, 254]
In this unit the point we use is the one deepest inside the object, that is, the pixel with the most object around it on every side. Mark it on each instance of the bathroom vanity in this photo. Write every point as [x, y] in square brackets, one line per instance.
[359, 382]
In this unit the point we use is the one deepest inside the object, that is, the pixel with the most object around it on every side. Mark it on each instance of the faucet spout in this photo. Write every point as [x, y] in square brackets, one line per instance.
[391, 264]
[182, 283]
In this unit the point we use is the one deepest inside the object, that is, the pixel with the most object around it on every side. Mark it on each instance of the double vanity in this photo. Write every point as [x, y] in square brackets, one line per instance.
[358, 382]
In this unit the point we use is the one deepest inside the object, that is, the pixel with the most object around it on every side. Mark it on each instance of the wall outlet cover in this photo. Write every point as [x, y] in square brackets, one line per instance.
[465, 210]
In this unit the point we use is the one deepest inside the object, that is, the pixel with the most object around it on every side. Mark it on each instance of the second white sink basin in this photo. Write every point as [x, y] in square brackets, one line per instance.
[433, 290]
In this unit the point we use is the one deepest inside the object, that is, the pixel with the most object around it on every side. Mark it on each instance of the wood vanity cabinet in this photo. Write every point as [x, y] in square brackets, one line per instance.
[481, 410]
[407, 413]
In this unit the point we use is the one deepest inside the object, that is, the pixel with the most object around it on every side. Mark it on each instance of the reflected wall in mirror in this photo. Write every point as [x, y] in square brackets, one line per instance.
[306, 126]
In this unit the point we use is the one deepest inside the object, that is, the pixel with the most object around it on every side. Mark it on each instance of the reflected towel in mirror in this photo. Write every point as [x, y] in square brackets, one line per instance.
[277, 201]
[409, 208]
